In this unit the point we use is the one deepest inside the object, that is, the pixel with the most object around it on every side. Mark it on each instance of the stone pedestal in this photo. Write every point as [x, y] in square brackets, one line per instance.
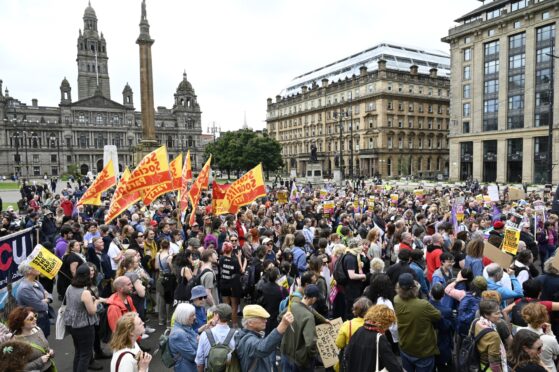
[293, 173]
[314, 173]
[337, 176]
[110, 152]
[144, 148]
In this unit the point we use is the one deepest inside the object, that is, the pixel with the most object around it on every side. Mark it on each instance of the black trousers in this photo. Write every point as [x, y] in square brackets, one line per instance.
[83, 345]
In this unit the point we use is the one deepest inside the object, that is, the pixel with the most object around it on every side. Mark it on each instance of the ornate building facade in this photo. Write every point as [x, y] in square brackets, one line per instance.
[37, 140]
[385, 110]
[502, 89]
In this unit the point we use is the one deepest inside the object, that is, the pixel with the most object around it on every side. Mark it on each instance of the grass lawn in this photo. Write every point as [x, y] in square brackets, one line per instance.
[5, 205]
[9, 186]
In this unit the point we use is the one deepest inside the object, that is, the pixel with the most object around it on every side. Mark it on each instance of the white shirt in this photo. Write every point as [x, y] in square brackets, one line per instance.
[113, 253]
[550, 348]
[128, 363]
[394, 327]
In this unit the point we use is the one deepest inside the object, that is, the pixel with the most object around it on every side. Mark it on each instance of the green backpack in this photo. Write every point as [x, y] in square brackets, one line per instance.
[166, 357]
[219, 354]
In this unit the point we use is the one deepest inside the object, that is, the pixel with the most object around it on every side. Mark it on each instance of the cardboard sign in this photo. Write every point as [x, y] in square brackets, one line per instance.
[371, 202]
[516, 194]
[326, 342]
[394, 200]
[282, 197]
[493, 192]
[323, 193]
[328, 207]
[496, 255]
[511, 239]
[44, 261]
[555, 262]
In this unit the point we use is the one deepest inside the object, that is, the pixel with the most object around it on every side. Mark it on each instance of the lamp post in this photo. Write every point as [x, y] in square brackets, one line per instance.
[26, 152]
[18, 159]
[54, 140]
[550, 125]
[213, 129]
[340, 115]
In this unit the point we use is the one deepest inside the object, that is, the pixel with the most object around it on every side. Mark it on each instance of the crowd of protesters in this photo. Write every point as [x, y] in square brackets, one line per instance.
[408, 278]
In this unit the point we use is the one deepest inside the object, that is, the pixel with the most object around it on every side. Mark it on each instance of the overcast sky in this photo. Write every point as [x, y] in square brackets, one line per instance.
[236, 53]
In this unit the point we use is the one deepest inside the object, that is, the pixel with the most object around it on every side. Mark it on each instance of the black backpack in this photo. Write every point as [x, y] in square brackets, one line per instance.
[104, 329]
[467, 358]
[197, 280]
[340, 274]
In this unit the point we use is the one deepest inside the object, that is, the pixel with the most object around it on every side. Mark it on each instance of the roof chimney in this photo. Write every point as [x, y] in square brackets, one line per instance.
[34, 102]
[433, 72]
[324, 83]
[413, 70]
[304, 89]
[363, 71]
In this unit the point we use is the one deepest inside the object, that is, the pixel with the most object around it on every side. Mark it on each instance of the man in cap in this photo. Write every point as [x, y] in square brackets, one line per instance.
[256, 352]
[221, 332]
[417, 336]
[496, 235]
[298, 346]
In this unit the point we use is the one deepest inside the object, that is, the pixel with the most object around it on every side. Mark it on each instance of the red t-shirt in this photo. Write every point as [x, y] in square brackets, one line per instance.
[433, 260]
[547, 304]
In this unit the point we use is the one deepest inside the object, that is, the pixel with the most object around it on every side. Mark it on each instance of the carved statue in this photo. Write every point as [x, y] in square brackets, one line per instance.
[314, 156]
[144, 15]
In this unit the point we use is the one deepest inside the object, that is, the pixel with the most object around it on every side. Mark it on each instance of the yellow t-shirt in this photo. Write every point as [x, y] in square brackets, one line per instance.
[344, 334]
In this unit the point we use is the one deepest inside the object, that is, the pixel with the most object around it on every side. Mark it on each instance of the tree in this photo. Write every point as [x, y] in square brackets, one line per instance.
[244, 149]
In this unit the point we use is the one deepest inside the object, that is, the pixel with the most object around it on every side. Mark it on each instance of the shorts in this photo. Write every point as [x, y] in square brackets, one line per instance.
[231, 290]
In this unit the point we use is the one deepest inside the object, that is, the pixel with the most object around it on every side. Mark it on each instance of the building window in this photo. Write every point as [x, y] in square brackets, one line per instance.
[490, 106]
[99, 120]
[493, 14]
[81, 118]
[467, 39]
[410, 142]
[400, 123]
[389, 105]
[491, 67]
[517, 24]
[491, 32]
[467, 73]
[491, 48]
[389, 142]
[466, 91]
[466, 127]
[36, 171]
[35, 158]
[545, 15]
[467, 54]
[466, 107]
[53, 158]
[517, 61]
[54, 171]
[515, 121]
[516, 102]
[517, 5]
[516, 81]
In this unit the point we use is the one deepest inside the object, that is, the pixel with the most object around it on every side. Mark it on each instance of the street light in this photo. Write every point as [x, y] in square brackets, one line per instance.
[25, 145]
[53, 139]
[18, 159]
[213, 129]
[340, 115]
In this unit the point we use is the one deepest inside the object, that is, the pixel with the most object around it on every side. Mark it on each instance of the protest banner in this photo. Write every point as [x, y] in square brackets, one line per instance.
[394, 200]
[510, 240]
[326, 342]
[175, 167]
[328, 207]
[186, 177]
[105, 180]
[282, 197]
[14, 249]
[371, 202]
[44, 261]
[323, 193]
[218, 195]
[200, 184]
[151, 170]
[294, 194]
[151, 193]
[244, 191]
[122, 199]
[496, 255]
[479, 198]
[419, 194]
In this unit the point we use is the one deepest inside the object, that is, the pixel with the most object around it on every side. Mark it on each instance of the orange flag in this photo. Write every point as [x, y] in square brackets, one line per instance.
[200, 184]
[186, 176]
[152, 193]
[243, 191]
[122, 198]
[152, 170]
[105, 180]
[218, 194]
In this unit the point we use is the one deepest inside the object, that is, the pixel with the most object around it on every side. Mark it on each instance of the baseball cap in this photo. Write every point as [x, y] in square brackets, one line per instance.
[266, 241]
[406, 281]
[312, 290]
[253, 311]
[498, 225]
[224, 311]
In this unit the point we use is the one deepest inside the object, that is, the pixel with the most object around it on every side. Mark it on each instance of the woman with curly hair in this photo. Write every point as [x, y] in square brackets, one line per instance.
[369, 347]
[22, 321]
[127, 355]
[524, 355]
[537, 318]
[13, 356]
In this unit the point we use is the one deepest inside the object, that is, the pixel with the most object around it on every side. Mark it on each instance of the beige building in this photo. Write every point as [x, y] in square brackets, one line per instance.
[391, 103]
[502, 69]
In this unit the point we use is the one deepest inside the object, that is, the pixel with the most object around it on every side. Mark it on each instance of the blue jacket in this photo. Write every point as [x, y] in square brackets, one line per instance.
[201, 318]
[300, 259]
[445, 331]
[253, 347]
[438, 277]
[182, 345]
[506, 294]
[475, 264]
[420, 275]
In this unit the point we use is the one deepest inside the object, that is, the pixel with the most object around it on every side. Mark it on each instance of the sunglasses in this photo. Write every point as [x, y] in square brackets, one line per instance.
[202, 298]
[31, 317]
[140, 236]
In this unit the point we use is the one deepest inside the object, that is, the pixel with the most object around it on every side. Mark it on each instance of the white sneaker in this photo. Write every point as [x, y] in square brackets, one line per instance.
[149, 330]
[144, 336]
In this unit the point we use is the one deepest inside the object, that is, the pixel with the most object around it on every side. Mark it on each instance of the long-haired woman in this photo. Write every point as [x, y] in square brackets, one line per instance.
[127, 355]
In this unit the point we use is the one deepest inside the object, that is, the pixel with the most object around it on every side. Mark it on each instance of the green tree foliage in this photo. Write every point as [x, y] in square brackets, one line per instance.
[244, 149]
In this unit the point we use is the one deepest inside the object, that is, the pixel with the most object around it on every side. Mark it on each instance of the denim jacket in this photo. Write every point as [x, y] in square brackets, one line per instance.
[183, 345]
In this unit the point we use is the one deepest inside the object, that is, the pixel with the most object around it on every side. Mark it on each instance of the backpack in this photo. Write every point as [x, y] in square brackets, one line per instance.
[197, 280]
[340, 274]
[247, 280]
[166, 357]
[468, 356]
[104, 329]
[219, 352]
[285, 302]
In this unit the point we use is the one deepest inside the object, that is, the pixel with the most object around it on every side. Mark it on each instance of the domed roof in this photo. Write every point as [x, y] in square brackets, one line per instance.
[65, 83]
[184, 85]
[89, 11]
[127, 88]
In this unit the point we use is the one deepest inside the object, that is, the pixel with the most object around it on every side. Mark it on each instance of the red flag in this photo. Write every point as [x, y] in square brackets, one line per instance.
[200, 184]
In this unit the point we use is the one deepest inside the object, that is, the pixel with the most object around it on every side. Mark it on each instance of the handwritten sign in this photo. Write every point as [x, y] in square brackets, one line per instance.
[511, 239]
[516, 194]
[493, 192]
[326, 342]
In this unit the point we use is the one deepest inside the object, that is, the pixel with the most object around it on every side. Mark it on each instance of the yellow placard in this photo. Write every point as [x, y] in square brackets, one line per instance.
[510, 240]
[282, 197]
[394, 199]
[44, 261]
